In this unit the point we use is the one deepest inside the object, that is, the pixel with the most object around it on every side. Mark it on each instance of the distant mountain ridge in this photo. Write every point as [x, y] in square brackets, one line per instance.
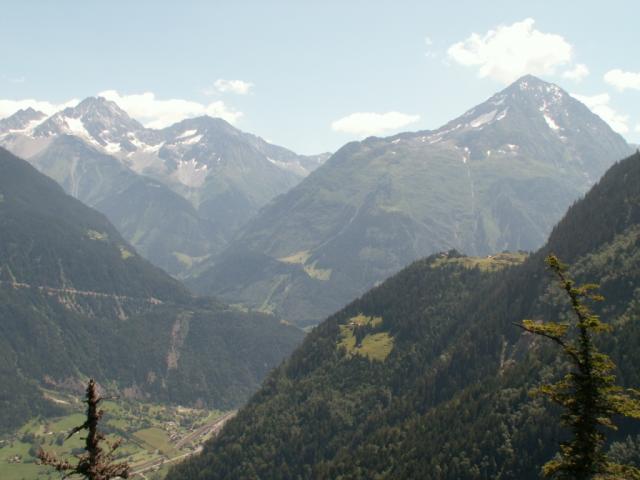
[22, 120]
[159, 221]
[496, 178]
[77, 301]
[224, 175]
[96, 120]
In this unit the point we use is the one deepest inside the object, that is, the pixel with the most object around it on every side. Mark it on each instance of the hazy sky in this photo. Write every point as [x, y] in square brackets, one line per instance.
[313, 75]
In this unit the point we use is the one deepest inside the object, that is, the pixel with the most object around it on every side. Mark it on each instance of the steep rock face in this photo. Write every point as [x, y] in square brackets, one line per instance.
[426, 376]
[77, 301]
[496, 178]
[207, 175]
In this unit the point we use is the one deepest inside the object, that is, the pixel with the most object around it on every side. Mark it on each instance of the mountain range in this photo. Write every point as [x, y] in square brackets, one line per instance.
[422, 376]
[496, 178]
[426, 376]
[78, 301]
[177, 194]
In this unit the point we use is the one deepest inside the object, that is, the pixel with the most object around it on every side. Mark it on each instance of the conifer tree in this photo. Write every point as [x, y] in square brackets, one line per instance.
[95, 464]
[588, 394]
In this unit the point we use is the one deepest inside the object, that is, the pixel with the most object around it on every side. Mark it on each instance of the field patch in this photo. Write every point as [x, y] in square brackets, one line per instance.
[124, 253]
[322, 274]
[359, 336]
[156, 438]
[312, 270]
[95, 235]
[297, 258]
[488, 263]
[189, 261]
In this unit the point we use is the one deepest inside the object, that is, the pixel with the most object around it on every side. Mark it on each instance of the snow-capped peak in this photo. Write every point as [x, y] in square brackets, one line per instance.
[97, 116]
[98, 121]
[508, 122]
[532, 87]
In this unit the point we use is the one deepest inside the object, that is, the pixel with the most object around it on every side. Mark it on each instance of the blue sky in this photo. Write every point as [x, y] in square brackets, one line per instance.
[312, 76]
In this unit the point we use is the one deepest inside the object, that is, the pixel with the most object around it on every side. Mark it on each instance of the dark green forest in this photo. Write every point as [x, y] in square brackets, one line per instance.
[452, 398]
[76, 301]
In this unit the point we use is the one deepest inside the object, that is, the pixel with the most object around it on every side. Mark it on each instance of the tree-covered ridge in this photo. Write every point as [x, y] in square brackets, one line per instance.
[588, 393]
[50, 239]
[451, 400]
[76, 301]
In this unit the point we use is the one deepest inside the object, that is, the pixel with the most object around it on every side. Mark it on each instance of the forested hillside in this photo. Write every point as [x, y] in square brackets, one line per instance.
[76, 300]
[427, 377]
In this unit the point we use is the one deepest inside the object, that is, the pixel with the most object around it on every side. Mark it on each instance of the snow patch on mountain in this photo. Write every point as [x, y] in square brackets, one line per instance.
[136, 142]
[188, 133]
[551, 122]
[191, 173]
[502, 114]
[548, 116]
[26, 129]
[112, 148]
[524, 85]
[483, 119]
[143, 146]
[555, 92]
[75, 126]
[466, 155]
[153, 148]
[191, 140]
[294, 167]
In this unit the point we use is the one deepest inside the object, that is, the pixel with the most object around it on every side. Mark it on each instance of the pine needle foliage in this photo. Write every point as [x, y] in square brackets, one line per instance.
[588, 394]
[96, 463]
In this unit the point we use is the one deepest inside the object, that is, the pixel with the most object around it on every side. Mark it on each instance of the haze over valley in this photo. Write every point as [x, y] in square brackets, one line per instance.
[277, 251]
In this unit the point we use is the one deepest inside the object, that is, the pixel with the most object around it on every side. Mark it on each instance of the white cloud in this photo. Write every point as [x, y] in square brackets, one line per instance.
[239, 87]
[9, 107]
[599, 104]
[577, 73]
[511, 51]
[145, 107]
[623, 80]
[155, 113]
[638, 128]
[369, 123]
